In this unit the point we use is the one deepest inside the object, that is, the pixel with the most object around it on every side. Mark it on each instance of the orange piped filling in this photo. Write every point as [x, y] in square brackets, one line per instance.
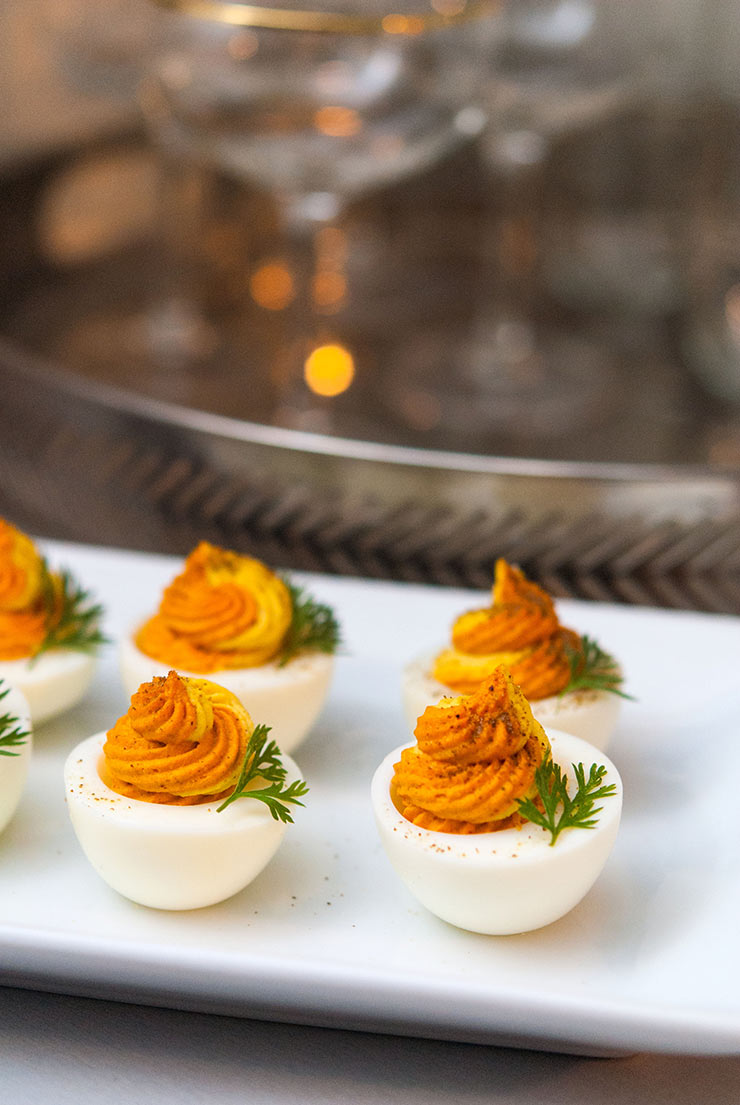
[223, 611]
[21, 634]
[520, 629]
[474, 759]
[24, 616]
[181, 742]
[21, 569]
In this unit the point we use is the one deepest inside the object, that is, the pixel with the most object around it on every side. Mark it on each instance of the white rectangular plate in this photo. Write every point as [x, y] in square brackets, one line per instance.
[327, 935]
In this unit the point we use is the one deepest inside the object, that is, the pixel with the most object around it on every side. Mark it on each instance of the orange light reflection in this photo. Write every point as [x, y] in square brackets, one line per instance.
[328, 290]
[329, 370]
[337, 122]
[272, 286]
[403, 24]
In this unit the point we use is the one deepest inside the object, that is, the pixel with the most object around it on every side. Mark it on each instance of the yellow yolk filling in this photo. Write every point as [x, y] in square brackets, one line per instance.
[474, 758]
[182, 742]
[223, 611]
[24, 618]
[520, 630]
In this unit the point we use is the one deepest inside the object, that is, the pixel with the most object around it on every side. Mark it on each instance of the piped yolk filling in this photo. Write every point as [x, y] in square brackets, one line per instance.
[181, 742]
[475, 757]
[223, 611]
[24, 617]
[520, 630]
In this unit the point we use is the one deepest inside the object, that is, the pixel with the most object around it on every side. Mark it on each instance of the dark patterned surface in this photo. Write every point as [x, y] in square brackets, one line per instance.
[78, 465]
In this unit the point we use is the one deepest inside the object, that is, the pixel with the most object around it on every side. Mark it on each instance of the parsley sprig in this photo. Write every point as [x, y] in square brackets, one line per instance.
[592, 669]
[313, 626]
[73, 619]
[12, 735]
[560, 810]
[262, 764]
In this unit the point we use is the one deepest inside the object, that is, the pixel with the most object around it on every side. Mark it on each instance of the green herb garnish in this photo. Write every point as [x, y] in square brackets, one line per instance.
[592, 669]
[11, 733]
[313, 626]
[262, 764]
[560, 811]
[73, 619]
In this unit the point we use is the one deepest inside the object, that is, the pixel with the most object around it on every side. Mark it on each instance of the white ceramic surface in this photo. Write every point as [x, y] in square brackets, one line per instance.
[327, 934]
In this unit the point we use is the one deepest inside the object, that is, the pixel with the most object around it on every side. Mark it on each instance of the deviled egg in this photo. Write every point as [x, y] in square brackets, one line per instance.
[49, 628]
[230, 617]
[462, 819]
[184, 801]
[15, 749]
[570, 682]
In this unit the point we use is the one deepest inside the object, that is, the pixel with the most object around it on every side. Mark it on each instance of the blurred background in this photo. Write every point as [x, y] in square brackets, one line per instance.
[380, 289]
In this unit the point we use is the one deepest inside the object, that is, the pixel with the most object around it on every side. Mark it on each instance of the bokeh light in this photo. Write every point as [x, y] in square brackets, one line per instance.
[272, 286]
[329, 370]
[336, 121]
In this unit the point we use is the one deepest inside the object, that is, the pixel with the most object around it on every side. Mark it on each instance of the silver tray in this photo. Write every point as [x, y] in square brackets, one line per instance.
[86, 461]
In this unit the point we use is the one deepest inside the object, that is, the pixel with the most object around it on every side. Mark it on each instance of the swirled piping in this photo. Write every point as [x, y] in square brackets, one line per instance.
[23, 615]
[181, 742]
[474, 758]
[520, 629]
[222, 611]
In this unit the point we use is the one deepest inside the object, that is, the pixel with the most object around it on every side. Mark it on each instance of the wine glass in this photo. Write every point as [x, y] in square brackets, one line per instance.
[528, 371]
[313, 110]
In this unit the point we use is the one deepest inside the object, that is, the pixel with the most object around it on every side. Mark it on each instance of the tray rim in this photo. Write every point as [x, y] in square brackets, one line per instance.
[113, 399]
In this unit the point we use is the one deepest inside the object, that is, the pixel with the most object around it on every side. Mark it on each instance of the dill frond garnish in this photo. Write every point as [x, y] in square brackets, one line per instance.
[592, 669]
[11, 733]
[73, 619]
[560, 810]
[262, 763]
[313, 626]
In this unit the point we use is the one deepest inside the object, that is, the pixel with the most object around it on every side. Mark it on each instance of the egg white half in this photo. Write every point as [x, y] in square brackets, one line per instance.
[14, 768]
[167, 857]
[507, 882]
[288, 699]
[52, 682]
[590, 715]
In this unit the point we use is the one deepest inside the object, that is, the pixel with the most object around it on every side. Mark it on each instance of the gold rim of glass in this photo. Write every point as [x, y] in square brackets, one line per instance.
[234, 13]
